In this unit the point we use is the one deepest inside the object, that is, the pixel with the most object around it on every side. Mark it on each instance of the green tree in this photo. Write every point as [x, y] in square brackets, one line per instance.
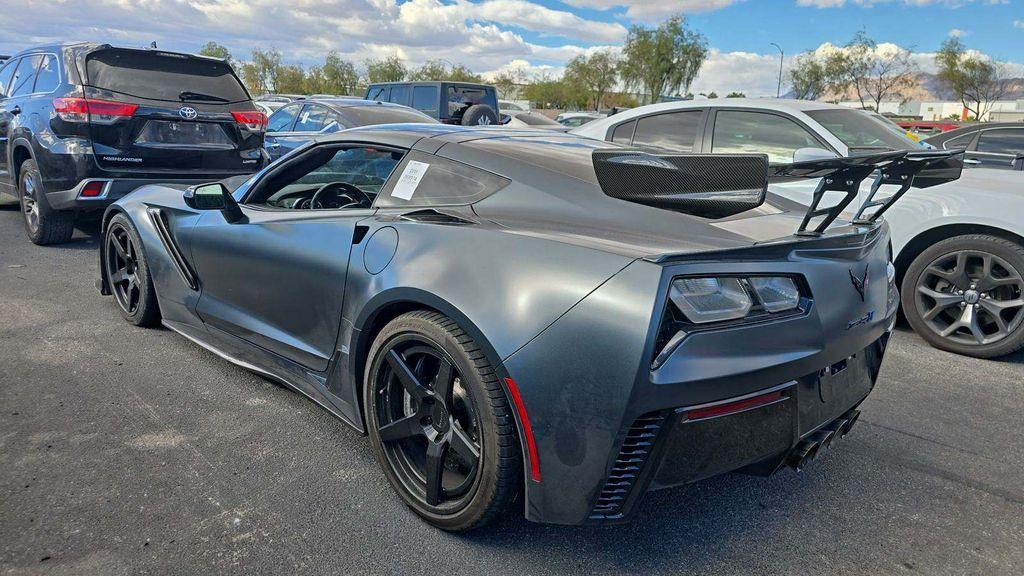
[261, 72]
[214, 50]
[809, 76]
[596, 73]
[663, 60]
[735, 95]
[389, 69]
[873, 74]
[442, 70]
[290, 79]
[340, 76]
[976, 81]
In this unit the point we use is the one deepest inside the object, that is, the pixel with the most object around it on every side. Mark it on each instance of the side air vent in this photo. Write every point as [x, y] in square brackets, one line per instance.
[705, 185]
[627, 468]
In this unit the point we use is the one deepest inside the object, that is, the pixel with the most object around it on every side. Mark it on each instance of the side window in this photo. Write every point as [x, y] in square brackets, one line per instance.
[623, 133]
[739, 132]
[25, 75]
[333, 123]
[959, 143]
[49, 75]
[281, 121]
[427, 180]
[378, 93]
[6, 73]
[311, 119]
[675, 131]
[1002, 141]
[399, 95]
[328, 178]
[424, 99]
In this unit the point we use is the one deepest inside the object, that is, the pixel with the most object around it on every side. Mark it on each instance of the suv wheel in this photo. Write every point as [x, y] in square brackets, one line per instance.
[43, 224]
[966, 295]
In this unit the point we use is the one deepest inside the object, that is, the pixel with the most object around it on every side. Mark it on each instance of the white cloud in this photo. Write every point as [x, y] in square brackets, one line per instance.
[648, 10]
[1018, 24]
[869, 3]
[958, 33]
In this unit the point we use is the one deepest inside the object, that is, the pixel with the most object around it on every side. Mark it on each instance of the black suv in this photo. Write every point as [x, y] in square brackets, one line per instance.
[81, 125]
[450, 102]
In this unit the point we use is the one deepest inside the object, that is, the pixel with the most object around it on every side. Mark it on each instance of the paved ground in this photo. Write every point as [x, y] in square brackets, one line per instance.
[129, 451]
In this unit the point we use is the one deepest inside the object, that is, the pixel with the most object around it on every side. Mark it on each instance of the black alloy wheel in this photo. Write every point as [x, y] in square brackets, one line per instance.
[127, 274]
[427, 424]
[969, 299]
[440, 423]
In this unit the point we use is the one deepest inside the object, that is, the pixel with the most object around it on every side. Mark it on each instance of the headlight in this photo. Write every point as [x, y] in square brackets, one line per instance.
[776, 293]
[705, 300]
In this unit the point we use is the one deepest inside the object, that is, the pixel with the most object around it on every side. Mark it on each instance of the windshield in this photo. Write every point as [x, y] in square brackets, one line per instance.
[860, 132]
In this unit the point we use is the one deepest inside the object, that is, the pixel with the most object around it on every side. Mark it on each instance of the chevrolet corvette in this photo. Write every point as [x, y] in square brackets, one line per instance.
[532, 317]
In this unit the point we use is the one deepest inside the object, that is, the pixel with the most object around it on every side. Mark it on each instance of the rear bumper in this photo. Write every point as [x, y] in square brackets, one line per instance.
[795, 420]
[113, 189]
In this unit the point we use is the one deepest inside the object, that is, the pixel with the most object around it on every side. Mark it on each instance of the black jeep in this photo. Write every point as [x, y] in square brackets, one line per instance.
[450, 102]
[83, 124]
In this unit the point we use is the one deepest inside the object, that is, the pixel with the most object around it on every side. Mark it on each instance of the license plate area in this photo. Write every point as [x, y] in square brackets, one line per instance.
[173, 134]
[830, 392]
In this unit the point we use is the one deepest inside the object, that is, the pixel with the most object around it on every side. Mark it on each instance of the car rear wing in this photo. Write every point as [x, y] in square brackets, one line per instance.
[906, 169]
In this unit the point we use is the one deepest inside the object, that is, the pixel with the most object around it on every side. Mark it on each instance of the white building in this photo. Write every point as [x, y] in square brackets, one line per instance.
[1002, 111]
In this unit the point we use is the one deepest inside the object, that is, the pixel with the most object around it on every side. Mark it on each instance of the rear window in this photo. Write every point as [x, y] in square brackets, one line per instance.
[859, 131]
[533, 119]
[377, 114]
[164, 76]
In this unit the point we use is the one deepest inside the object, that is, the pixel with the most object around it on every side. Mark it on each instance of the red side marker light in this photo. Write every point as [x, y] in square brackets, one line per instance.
[92, 189]
[531, 444]
[733, 407]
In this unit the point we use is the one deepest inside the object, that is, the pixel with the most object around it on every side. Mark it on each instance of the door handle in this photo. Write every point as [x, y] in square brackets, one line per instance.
[16, 110]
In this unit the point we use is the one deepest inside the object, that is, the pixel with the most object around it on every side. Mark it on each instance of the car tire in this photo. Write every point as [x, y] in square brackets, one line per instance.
[475, 409]
[126, 273]
[966, 295]
[479, 115]
[43, 224]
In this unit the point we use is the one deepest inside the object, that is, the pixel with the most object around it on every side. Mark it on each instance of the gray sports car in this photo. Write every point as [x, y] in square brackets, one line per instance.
[529, 315]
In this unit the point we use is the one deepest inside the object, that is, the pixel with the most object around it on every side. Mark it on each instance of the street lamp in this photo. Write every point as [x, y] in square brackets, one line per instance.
[778, 90]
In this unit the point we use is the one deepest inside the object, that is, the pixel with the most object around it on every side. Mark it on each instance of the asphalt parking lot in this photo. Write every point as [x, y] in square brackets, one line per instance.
[130, 451]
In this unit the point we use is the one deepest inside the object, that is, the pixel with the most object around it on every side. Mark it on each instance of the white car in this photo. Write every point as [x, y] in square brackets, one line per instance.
[958, 247]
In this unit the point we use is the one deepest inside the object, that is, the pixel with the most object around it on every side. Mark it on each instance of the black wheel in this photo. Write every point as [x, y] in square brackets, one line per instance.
[439, 422]
[479, 115]
[43, 224]
[126, 272]
[966, 295]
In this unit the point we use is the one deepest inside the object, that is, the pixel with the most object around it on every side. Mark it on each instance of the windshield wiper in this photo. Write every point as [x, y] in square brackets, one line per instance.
[187, 95]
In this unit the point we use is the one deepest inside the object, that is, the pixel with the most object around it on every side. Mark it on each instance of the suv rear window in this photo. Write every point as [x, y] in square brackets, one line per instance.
[163, 76]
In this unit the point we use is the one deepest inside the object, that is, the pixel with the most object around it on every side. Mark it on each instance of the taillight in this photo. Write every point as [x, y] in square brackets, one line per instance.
[98, 111]
[252, 121]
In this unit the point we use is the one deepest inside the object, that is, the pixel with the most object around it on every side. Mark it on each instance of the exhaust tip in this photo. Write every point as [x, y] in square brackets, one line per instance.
[852, 417]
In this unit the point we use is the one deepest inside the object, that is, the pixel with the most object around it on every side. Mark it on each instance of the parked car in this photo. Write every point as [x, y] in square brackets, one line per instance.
[577, 119]
[658, 324]
[531, 120]
[958, 247]
[268, 107]
[450, 102]
[81, 125]
[296, 124]
[992, 145]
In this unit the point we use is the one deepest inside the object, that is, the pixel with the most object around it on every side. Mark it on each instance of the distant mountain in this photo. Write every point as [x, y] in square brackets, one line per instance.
[930, 89]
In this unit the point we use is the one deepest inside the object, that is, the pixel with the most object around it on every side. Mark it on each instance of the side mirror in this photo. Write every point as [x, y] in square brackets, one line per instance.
[812, 154]
[214, 196]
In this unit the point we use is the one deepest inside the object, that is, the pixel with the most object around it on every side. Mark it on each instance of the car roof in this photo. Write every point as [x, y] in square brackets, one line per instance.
[350, 102]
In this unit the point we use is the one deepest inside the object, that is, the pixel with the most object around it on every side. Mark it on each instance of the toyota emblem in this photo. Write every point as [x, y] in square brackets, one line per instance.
[187, 112]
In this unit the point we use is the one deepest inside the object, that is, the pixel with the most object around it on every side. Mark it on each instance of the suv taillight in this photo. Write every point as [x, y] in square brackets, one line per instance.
[252, 121]
[98, 111]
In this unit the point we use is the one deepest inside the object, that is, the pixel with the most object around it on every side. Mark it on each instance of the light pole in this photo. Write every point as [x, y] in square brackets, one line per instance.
[778, 90]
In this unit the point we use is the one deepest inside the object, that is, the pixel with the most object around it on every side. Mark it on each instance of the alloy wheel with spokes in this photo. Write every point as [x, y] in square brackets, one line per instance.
[427, 423]
[121, 258]
[438, 420]
[966, 294]
[30, 202]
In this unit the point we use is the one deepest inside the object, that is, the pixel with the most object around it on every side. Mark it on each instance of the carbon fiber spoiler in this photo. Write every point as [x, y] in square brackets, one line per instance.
[903, 168]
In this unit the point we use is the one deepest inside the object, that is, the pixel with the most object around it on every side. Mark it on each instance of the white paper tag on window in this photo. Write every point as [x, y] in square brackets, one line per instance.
[409, 179]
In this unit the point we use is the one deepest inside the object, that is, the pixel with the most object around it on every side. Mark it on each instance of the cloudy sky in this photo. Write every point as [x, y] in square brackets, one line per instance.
[534, 35]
